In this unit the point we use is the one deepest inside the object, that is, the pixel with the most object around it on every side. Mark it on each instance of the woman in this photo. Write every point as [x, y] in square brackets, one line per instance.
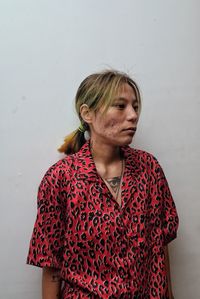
[105, 211]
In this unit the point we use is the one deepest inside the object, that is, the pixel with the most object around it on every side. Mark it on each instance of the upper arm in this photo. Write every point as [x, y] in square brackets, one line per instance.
[163, 203]
[48, 234]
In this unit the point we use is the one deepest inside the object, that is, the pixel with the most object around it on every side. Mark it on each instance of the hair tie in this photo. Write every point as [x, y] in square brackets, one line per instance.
[81, 128]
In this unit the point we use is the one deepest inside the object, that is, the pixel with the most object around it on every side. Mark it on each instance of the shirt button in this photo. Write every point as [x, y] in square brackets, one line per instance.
[135, 219]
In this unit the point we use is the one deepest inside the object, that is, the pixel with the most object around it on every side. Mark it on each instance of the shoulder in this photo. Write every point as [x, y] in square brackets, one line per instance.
[143, 156]
[144, 160]
[68, 166]
[59, 170]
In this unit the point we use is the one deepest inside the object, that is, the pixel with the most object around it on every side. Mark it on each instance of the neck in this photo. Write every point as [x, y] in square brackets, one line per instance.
[104, 153]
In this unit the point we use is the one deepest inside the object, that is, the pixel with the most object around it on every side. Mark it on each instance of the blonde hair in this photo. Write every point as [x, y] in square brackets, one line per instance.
[96, 91]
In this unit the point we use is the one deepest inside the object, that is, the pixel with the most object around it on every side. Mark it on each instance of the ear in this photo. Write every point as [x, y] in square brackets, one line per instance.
[86, 114]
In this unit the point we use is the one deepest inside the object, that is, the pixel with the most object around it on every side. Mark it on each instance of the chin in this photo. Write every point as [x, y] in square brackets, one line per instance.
[128, 143]
[125, 142]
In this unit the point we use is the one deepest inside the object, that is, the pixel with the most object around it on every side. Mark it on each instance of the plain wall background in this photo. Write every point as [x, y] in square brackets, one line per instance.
[47, 47]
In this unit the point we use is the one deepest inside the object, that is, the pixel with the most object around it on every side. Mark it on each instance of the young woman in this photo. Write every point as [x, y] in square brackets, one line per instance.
[105, 211]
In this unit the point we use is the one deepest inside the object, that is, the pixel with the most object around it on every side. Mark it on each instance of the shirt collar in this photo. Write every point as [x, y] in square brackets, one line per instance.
[84, 158]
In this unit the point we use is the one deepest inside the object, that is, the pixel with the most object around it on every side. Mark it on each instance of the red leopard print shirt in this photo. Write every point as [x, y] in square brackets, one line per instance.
[104, 250]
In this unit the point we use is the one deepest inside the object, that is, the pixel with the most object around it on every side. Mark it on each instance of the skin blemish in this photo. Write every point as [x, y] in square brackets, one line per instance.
[111, 124]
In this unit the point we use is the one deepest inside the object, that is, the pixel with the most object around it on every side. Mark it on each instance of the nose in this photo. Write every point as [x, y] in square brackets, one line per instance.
[132, 114]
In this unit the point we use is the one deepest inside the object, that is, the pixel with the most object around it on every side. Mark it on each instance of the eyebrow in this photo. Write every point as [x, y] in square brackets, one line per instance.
[124, 99]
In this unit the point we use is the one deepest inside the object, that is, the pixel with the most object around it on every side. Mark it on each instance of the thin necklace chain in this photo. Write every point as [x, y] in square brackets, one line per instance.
[122, 165]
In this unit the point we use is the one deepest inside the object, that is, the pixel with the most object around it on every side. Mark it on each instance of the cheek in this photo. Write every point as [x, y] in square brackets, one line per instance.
[112, 125]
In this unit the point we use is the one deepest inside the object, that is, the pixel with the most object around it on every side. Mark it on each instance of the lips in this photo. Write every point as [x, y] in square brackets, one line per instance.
[130, 129]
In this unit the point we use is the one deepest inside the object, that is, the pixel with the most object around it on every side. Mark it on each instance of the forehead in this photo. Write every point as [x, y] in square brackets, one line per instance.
[126, 92]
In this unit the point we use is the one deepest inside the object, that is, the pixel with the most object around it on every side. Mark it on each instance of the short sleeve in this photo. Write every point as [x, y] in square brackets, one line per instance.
[166, 213]
[46, 244]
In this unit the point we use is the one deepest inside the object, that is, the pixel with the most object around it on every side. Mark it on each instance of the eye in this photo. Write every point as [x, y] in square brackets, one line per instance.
[119, 106]
[136, 108]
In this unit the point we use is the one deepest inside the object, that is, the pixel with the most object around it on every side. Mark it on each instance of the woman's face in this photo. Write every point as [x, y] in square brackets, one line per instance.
[118, 125]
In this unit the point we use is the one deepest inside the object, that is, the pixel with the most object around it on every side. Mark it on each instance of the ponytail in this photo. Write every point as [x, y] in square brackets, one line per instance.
[73, 142]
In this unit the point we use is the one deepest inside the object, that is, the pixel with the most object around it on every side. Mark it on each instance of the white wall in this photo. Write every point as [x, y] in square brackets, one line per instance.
[47, 47]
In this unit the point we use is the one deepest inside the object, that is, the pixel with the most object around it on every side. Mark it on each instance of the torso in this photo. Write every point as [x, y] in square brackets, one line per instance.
[109, 250]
